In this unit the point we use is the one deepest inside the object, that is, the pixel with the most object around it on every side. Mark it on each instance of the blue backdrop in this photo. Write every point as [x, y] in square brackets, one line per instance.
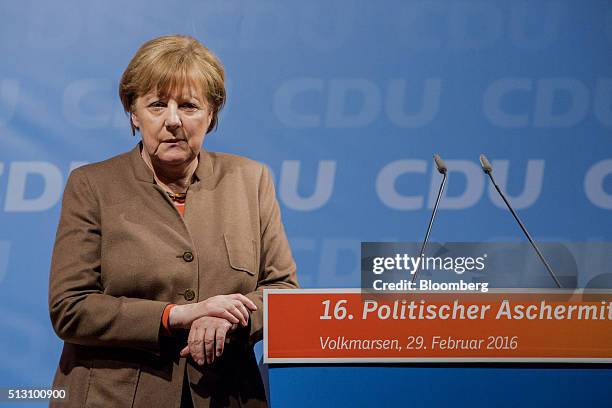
[346, 101]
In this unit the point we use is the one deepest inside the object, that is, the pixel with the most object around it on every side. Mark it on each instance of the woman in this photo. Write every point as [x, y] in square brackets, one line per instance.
[162, 253]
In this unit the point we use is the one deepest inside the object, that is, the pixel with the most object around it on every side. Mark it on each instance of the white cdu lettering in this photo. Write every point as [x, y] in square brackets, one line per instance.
[594, 184]
[16, 200]
[289, 182]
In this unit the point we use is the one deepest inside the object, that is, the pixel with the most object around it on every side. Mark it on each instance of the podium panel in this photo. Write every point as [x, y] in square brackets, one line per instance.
[424, 386]
[556, 358]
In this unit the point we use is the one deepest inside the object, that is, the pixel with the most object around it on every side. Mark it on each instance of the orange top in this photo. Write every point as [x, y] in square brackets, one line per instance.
[179, 201]
[166, 320]
[180, 207]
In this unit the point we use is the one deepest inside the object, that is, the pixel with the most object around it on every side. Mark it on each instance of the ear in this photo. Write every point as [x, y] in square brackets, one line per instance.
[135, 120]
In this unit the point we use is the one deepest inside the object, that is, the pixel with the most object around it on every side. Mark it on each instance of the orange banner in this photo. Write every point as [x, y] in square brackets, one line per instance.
[310, 326]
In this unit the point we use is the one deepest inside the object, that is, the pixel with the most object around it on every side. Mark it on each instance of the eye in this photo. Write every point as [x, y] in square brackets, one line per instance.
[189, 106]
[157, 105]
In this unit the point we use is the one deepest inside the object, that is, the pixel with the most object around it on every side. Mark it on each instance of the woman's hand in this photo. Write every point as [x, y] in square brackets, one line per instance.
[207, 339]
[233, 308]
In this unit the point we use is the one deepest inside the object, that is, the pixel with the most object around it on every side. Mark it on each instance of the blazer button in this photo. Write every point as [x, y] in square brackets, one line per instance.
[188, 257]
[189, 295]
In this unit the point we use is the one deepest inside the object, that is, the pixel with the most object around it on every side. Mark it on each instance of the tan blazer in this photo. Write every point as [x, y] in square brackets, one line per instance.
[123, 252]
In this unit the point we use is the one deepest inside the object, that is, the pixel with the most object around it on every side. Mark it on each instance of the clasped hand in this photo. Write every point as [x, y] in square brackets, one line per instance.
[209, 322]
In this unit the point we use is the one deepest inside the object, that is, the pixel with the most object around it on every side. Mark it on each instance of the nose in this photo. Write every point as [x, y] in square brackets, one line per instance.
[173, 120]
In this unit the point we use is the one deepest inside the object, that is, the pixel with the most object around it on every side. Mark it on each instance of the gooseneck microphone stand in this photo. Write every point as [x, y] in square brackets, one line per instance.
[443, 170]
[488, 169]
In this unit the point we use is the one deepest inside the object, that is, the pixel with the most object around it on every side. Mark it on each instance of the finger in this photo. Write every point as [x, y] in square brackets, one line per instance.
[246, 301]
[196, 345]
[220, 341]
[209, 344]
[237, 312]
[227, 315]
[244, 313]
[186, 351]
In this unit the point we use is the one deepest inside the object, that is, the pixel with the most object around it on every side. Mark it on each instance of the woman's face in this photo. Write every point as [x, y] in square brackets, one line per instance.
[173, 126]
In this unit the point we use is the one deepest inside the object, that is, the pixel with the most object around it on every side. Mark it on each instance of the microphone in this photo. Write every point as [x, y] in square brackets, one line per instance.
[442, 170]
[488, 169]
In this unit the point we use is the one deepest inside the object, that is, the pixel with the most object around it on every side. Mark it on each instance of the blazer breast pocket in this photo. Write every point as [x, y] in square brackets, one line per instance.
[112, 384]
[242, 257]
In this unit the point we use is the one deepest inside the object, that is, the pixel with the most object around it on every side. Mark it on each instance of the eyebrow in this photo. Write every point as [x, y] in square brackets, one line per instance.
[184, 97]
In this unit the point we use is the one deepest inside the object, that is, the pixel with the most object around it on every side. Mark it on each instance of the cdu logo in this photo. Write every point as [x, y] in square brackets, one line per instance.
[472, 193]
[356, 102]
[547, 103]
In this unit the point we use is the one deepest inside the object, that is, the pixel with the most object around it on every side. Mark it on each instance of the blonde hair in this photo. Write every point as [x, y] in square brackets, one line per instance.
[168, 63]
